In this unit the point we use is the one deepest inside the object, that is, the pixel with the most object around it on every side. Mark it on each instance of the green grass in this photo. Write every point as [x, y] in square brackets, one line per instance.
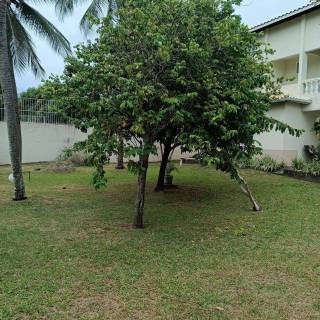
[68, 252]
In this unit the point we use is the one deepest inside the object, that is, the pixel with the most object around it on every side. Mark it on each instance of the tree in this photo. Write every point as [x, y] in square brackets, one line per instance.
[169, 141]
[247, 87]
[186, 72]
[97, 9]
[120, 153]
[17, 51]
[34, 93]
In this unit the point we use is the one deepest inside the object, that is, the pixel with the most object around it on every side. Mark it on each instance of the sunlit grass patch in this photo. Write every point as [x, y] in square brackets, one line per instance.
[68, 252]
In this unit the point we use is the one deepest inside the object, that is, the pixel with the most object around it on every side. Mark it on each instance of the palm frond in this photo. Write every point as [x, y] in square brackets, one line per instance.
[66, 7]
[43, 28]
[21, 46]
[96, 9]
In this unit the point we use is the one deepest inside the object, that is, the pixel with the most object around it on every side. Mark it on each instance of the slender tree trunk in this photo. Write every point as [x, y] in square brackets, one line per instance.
[246, 190]
[142, 177]
[163, 166]
[120, 164]
[10, 97]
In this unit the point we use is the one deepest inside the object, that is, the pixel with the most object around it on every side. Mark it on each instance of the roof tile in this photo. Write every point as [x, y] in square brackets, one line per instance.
[288, 15]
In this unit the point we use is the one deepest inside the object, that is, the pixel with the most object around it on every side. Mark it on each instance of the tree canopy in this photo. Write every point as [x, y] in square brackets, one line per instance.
[190, 69]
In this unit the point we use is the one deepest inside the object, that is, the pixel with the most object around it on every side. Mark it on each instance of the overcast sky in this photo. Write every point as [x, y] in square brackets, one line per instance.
[253, 12]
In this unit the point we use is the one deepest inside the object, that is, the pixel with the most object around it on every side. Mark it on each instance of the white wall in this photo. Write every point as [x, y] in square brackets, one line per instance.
[273, 140]
[285, 39]
[287, 68]
[299, 119]
[313, 66]
[45, 142]
[177, 155]
[41, 142]
[312, 40]
[290, 89]
[285, 147]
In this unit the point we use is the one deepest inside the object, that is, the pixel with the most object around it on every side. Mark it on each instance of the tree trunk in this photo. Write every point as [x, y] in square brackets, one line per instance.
[163, 166]
[10, 98]
[142, 177]
[246, 190]
[120, 164]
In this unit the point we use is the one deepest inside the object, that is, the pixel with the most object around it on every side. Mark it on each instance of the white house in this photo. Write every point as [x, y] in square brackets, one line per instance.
[295, 37]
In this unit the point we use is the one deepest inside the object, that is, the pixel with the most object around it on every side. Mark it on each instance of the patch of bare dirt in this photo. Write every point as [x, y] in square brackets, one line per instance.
[61, 167]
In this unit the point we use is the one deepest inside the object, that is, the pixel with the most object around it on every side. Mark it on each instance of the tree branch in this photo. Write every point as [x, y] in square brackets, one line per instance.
[246, 190]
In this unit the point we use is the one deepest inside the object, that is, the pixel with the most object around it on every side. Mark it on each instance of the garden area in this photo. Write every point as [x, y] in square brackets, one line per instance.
[70, 252]
[161, 80]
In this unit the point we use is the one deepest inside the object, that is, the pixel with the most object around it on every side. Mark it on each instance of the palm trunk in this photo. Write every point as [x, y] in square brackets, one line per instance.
[163, 166]
[10, 97]
[142, 177]
[120, 164]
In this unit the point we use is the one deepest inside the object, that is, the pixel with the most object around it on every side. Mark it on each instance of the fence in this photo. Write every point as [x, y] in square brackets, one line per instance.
[37, 111]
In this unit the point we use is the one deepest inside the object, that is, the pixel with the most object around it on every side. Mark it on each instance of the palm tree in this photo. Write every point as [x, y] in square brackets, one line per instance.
[96, 9]
[17, 52]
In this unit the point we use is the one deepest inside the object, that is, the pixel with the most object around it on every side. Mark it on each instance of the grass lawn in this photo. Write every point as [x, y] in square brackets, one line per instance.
[68, 252]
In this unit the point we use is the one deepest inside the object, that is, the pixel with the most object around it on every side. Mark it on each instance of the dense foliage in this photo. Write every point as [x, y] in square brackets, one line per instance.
[184, 69]
[309, 168]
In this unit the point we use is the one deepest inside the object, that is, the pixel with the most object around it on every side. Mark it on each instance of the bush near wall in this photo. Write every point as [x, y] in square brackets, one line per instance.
[76, 158]
[266, 164]
[308, 168]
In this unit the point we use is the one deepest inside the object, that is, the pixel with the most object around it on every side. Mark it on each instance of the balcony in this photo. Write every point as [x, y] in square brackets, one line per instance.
[311, 87]
[300, 80]
[288, 70]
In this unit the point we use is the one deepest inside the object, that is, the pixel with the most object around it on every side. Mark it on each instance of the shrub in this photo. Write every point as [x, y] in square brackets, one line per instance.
[311, 168]
[316, 126]
[77, 158]
[266, 164]
[246, 163]
[297, 164]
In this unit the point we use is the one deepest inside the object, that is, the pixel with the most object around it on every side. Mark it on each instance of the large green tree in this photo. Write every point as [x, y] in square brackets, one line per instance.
[187, 69]
[17, 52]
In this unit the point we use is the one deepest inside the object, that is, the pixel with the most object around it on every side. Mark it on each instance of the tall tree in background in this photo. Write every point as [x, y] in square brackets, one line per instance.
[17, 52]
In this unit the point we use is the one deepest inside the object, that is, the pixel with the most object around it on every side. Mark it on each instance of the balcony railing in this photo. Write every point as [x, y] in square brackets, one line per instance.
[311, 86]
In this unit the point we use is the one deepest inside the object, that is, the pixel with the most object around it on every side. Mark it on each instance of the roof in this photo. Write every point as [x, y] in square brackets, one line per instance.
[287, 16]
[292, 99]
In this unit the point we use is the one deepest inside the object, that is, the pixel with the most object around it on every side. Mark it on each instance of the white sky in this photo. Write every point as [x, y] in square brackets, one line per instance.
[253, 12]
